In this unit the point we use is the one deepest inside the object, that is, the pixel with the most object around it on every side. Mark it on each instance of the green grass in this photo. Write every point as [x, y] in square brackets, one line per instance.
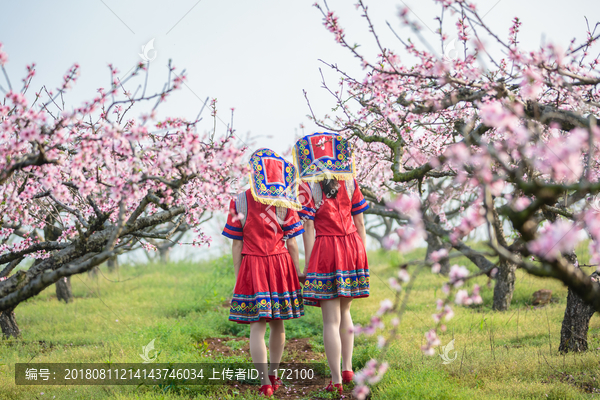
[500, 355]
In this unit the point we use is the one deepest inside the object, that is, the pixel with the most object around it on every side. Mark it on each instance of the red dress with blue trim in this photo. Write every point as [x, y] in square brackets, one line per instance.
[338, 264]
[267, 285]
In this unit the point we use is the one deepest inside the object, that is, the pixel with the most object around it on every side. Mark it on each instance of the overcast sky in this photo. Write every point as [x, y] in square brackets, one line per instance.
[254, 56]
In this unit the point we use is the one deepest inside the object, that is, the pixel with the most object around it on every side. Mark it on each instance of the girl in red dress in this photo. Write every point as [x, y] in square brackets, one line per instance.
[267, 288]
[336, 269]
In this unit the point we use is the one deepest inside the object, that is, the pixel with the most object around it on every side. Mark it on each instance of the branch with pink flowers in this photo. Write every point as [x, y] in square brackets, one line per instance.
[495, 142]
[99, 182]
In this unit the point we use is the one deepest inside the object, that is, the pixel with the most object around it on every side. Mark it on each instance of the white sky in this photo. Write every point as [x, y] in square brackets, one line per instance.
[255, 56]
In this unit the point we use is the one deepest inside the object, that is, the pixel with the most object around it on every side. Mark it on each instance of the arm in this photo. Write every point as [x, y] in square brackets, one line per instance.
[308, 236]
[236, 251]
[292, 247]
[359, 221]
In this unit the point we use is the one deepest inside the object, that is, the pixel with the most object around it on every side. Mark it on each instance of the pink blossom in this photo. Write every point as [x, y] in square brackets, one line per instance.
[446, 288]
[394, 284]
[409, 205]
[521, 203]
[439, 304]
[385, 306]
[372, 373]
[532, 84]
[447, 312]
[3, 56]
[332, 24]
[361, 392]
[432, 342]
[438, 255]
[495, 115]
[462, 298]
[404, 275]
[472, 220]
[457, 275]
[592, 221]
[554, 239]
[148, 246]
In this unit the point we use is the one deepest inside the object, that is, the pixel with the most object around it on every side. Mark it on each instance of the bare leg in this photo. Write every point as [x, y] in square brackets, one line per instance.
[276, 344]
[258, 350]
[331, 336]
[346, 333]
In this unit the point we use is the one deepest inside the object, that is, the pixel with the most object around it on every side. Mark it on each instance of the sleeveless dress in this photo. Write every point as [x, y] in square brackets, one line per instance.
[338, 264]
[267, 285]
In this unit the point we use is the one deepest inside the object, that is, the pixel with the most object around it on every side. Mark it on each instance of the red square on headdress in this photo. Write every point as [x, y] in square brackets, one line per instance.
[274, 171]
[324, 149]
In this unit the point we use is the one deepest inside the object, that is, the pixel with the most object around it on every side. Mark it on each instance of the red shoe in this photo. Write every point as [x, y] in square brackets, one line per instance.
[347, 376]
[266, 390]
[331, 387]
[275, 382]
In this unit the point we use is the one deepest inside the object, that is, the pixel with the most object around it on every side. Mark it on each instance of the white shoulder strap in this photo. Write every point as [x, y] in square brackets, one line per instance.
[317, 193]
[281, 214]
[350, 185]
[241, 206]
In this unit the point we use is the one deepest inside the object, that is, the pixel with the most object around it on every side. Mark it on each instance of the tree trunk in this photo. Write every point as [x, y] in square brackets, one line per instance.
[93, 273]
[63, 286]
[63, 289]
[575, 325]
[164, 253]
[505, 277]
[434, 243]
[8, 323]
[112, 263]
[505, 285]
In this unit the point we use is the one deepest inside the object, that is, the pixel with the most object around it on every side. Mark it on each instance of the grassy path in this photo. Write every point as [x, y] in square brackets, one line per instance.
[181, 306]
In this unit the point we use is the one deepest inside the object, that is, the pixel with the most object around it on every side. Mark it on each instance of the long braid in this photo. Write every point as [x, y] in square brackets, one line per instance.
[330, 188]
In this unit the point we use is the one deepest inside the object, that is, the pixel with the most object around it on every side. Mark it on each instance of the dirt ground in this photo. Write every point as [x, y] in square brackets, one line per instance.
[296, 351]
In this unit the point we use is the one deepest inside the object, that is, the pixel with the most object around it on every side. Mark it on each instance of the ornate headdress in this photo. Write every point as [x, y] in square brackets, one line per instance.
[273, 180]
[324, 156]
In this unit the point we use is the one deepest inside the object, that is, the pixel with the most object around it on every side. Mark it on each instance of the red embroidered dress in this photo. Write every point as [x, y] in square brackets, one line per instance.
[267, 285]
[338, 264]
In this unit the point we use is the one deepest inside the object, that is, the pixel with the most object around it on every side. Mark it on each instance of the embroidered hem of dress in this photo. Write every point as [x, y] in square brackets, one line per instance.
[268, 305]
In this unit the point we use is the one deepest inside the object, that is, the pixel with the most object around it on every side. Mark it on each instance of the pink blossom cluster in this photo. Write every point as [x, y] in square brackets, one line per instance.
[81, 159]
[532, 84]
[332, 24]
[436, 257]
[3, 56]
[472, 220]
[148, 246]
[473, 138]
[591, 218]
[521, 203]
[457, 275]
[553, 239]
[561, 155]
[432, 341]
[403, 275]
[371, 374]
[385, 306]
[513, 31]
[376, 322]
[407, 236]
[463, 298]
[445, 311]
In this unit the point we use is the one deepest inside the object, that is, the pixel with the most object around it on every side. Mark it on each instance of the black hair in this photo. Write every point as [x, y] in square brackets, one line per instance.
[330, 188]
